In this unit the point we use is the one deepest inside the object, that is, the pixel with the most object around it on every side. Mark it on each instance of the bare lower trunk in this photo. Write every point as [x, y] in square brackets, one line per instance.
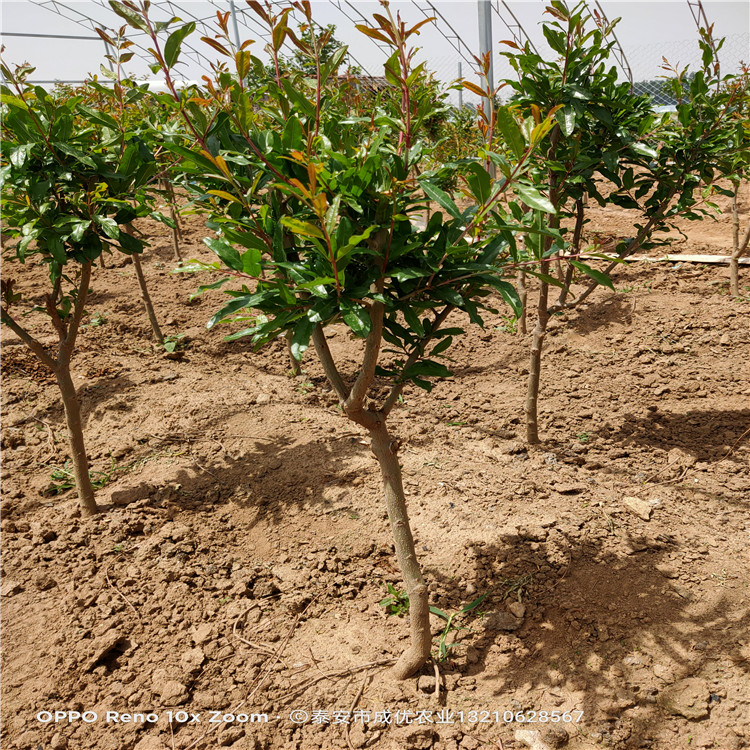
[176, 234]
[522, 295]
[542, 315]
[738, 248]
[67, 331]
[75, 437]
[418, 652]
[535, 364]
[146, 297]
[734, 276]
[352, 401]
[734, 264]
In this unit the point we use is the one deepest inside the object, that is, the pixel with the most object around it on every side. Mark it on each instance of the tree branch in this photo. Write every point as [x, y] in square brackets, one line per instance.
[329, 366]
[742, 246]
[629, 250]
[66, 346]
[390, 402]
[356, 399]
[30, 341]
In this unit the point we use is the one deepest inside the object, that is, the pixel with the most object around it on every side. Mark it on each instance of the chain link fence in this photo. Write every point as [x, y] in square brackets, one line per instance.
[645, 62]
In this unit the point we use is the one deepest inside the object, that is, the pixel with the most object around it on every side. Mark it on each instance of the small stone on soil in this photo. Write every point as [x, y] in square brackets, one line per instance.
[531, 738]
[10, 588]
[688, 698]
[639, 507]
[503, 621]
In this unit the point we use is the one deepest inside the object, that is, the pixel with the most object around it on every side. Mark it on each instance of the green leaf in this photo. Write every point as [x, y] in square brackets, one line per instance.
[356, 317]
[19, 154]
[301, 338]
[439, 613]
[510, 131]
[57, 250]
[238, 303]
[108, 224]
[129, 244]
[611, 161]
[228, 255]
[291, 138]
[79, 228]
[555, 39]
[251, 262]
[198, 159]
[473, 605]
[442, 346]
[304, 228]
[534, 199]
[413, 321]
[427, 368]
[578, 92]
[480, 182]
[644, 150]
[442, 198]
[602, 114]
[203, 287]
[598, 276]
[66, 148]
[13, 101]
[134, 19]
[566, 117]
[98, 118]
[172, 47]
[404, 274]
[509, 294]
[333, 63]
[160, 217]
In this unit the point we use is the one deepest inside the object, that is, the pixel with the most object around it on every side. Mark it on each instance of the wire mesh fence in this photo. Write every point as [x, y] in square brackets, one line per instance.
[648, 61]
[449, 59]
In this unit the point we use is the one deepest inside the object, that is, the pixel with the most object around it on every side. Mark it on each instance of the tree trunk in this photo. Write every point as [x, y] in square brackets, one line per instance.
[146, 297]
[522, 295]
[535, 362]
[75, 437]
[738, 247]
[542, 316]
[384, 448]
[176, 235]
[734, 266]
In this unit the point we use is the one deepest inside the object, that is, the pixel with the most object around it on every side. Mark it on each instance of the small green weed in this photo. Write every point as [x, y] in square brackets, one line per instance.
[396, 603]
[63, 479]
[509, 324]
[173, 343]
[515, 586]
[583, 437]
[451, 627]
[97, 319]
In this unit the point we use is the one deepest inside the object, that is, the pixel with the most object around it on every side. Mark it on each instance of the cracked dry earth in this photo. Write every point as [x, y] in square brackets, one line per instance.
[239, 565]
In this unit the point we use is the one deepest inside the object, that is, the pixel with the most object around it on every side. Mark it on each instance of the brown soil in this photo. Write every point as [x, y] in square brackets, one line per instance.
[244, 548]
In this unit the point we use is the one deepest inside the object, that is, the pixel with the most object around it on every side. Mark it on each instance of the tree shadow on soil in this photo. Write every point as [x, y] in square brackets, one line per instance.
[605, 633]
[614, 309]
[706, 434]
[275, 477]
